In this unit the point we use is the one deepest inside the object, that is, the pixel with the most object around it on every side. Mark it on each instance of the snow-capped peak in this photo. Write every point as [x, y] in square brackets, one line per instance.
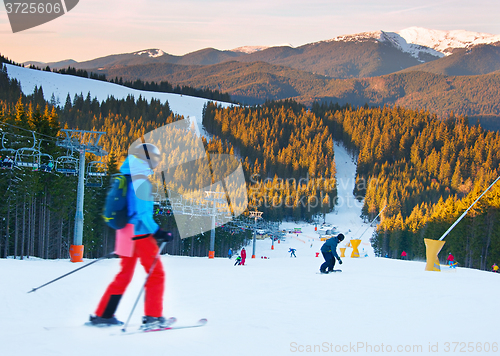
[446, 41]
[249, 49]
[415, 50]
[253, 49]
[417, 40]
[153, 53]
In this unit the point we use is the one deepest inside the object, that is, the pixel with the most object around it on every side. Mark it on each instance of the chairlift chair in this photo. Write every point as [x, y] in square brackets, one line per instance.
[46, 162]
[67, 165]
[6, 151]
[28, 158]
[95, 171]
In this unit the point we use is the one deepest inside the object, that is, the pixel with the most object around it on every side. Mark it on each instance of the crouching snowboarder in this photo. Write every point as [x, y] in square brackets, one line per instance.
[329, 251]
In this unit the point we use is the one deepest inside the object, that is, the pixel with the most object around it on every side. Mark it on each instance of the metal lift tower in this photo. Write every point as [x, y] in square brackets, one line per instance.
[82, 141]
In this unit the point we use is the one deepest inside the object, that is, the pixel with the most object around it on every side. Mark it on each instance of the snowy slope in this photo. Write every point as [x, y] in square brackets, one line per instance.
[275, 306]
[61, 85]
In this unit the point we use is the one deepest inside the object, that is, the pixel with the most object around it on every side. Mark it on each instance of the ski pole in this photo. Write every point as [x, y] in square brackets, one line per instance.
[67, 274]
[144, 285]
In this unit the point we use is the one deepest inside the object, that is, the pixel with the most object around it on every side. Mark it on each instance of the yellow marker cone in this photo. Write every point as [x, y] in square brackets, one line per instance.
[355, 244]
[342, 252]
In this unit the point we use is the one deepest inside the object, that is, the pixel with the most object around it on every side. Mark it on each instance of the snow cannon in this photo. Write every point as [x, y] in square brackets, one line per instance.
[432, 248]
[76, 253]
[355, 252]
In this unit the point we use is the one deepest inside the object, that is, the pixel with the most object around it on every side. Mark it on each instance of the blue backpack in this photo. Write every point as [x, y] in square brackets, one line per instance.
[115, 211]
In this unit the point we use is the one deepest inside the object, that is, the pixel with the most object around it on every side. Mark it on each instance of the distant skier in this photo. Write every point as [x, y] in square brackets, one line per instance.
[494, 268]
[230, 253]
[329, 251]
[403, 255]
[238, 261]
[243, 256]
[451, 260]
[292, 252]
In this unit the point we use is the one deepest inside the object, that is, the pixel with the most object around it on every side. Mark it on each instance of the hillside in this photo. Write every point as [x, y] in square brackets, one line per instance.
[438, 71]
[481, 59]
[249, 83]
[476, 96]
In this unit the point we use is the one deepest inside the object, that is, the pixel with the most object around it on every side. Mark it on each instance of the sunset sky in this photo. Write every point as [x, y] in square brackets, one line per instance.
[96, 28]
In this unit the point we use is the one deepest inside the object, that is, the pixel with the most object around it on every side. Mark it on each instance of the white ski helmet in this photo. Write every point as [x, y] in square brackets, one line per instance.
[149, 153]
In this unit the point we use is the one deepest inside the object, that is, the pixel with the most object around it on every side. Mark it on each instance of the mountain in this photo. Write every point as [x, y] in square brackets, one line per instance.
[480, 59]
[366, 54]
[205, 56]
[446, 42]
[415, 67]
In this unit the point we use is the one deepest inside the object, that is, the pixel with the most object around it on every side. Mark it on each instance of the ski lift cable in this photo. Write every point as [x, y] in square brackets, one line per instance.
[33, 132]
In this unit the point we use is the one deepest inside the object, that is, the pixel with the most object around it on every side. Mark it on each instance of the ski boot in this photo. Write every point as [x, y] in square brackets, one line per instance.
[99, 321]
[153, 323]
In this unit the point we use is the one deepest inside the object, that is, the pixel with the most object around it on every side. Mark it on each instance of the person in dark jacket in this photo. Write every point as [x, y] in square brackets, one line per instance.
[139, 164]
[329, 251]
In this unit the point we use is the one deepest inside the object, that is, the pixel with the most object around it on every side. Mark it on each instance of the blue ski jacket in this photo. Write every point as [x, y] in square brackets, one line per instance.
[330, 245]
[139, 196]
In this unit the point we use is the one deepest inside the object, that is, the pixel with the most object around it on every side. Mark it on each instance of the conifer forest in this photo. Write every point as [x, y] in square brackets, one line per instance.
[426, 170]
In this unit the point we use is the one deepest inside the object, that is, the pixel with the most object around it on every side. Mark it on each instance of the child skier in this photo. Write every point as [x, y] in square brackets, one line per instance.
[494, 268]
[451, 260]
[238, 261]
[292, 252]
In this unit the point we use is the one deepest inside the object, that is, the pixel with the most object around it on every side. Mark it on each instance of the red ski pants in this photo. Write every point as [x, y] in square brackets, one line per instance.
[145, 250]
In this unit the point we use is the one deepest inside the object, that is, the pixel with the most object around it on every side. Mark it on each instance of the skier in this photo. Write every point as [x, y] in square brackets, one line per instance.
[230, 253]
[146, 233]
[451, 260]
[238, 261]
[243, 256]
[329, 251]
[494, 268]
[403, 255]
[292, 252]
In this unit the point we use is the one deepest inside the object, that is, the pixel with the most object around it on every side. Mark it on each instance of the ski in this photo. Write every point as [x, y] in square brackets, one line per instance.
[199, 323]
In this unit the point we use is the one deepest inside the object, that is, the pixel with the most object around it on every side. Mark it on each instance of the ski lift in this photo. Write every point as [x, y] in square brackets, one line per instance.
[67, 165]
[8, 151]
[95, 171]
[46, 162]
[28, 158]
[157, 198]
[7, 155]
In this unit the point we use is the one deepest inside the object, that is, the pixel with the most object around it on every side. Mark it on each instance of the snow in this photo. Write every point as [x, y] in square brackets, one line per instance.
[60, 85]
[274, 306]
[417, 40]
[271, 306]
[443, 41]
[153, 53]
[249, 49]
